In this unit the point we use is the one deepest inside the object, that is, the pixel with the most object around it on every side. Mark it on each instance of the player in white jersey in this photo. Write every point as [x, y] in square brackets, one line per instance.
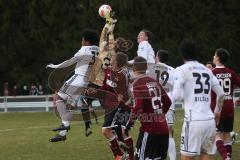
[83, 61]
[164, 74]
[145, 49]
[193, 83]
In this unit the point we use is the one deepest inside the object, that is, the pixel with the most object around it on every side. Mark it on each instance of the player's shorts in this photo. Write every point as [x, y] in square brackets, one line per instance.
[170, 117]
[69, 91]
[151, 146]
[198, 137]
[89, 100]
[225, 124]
[109, 121]
[122, 117]
[117, 117]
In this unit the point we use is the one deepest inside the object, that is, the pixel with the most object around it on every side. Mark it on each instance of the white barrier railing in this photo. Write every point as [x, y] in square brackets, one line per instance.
[16, 102]
[44, 102]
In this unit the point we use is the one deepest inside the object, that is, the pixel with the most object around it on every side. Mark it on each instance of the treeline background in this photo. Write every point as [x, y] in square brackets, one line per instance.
[34, 33]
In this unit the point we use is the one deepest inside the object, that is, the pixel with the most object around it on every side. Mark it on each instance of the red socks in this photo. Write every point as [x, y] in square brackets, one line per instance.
[229, 150]
[129, 143]
[115, 147]
[221, 149]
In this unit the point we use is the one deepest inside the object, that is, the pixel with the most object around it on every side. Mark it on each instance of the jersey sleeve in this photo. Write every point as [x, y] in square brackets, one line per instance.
[142, 50]
[166, 102]
[178, 80]
[66, 63]
[214, 81]
[216, 87]
[217, 95]
[79, 53]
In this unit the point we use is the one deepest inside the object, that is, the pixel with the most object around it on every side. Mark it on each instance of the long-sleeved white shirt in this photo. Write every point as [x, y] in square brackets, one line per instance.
[193, 83]
[82, 59]
[145, 50]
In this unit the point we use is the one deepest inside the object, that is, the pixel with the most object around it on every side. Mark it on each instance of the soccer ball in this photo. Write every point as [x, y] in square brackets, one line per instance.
[104, 11]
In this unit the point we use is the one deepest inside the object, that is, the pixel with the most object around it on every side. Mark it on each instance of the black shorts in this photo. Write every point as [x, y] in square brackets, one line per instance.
[225, 124]
[89, 100]
[117, 117]
[151, 146]
[122, 117]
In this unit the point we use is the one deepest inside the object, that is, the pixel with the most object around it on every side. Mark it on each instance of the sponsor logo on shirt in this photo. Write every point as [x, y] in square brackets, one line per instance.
[111, 83]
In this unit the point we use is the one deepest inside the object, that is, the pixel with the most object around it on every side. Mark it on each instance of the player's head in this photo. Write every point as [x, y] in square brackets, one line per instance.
[144, 35]
[188, 50]
[210, 65]
[139, 65]
[89, 37]
[221, 56]
[119, 60]
[162, 56]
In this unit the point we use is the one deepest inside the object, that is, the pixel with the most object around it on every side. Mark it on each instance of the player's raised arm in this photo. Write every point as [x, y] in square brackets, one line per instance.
[64, 64]
[220, 98]
[220, 94]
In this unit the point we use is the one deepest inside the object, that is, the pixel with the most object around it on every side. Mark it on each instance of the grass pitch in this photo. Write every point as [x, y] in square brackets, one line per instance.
[24, 136]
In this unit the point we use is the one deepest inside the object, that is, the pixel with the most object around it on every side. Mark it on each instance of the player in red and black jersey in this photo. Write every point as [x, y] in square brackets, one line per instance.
[227, 79]
[116, 81]
[151, 104]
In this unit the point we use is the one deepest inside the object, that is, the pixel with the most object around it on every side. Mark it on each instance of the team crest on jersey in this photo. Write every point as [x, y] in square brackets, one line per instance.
[111, 83]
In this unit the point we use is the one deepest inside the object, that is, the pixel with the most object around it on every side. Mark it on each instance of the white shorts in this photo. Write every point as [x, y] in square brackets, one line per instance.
[69, 91]
[198, 137]
[170, 117]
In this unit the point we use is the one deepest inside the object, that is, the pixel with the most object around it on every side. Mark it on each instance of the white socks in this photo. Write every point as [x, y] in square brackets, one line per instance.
[171, 149]
[64, 114]
[66, 123]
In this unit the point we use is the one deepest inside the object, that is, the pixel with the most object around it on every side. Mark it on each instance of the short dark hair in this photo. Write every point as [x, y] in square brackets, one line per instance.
[90, 36]
[223, 55]
[140, 64]
[188, 50]
[209, 62]
[148, 34]
[162, 55]
[122, 59]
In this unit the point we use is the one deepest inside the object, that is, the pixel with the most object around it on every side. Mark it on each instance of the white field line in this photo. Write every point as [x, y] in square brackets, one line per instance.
[32, 127]
[26, 128]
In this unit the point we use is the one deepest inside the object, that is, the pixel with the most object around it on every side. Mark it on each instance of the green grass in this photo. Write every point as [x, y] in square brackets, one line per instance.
[24, 136]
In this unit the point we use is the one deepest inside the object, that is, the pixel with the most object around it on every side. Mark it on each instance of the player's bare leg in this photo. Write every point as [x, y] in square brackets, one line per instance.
[65, 117]
[205, 157]
[185, 157]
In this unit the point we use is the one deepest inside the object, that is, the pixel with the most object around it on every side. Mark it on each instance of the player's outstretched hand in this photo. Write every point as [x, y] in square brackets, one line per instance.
[120, 98]
[50, 66]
